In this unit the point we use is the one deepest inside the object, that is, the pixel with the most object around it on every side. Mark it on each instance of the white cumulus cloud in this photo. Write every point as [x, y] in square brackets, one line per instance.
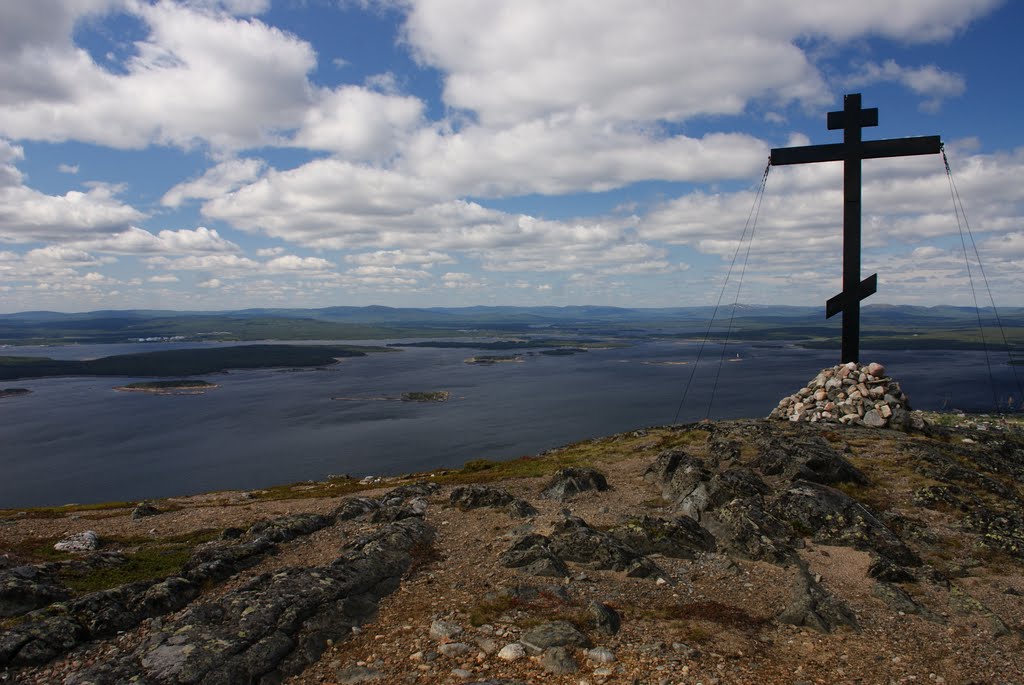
[220, 179]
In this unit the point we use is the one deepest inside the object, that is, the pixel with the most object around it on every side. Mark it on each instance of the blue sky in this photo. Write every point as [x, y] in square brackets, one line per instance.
[220, 154]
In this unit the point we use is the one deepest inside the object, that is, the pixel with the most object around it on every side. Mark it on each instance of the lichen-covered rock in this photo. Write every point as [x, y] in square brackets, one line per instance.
[807, 457]
[521, 509]
[812, 607]
[733, 483]
[664, 465]
[573, 540]
[219, 561]
[679, 538]
[678, 474]
[402, 493]
[558, 661]
[53, 630]
[553, 634]
[86, 541]
[743, 528]
[288, 528]
[883, 570]
[39, 641]
[1000, 530]
[276, 624]
[945, 497]
[467, 497]
[899, 601]
[832, 517]
[24, 588]
[569, 482]
[357, 507]
[603, 618]
[144, 510]
[534, 555]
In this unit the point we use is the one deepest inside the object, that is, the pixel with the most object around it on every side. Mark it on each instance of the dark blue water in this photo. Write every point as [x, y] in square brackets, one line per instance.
[76, 440]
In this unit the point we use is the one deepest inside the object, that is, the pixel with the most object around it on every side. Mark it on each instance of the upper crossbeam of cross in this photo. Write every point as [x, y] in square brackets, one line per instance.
[851, 151]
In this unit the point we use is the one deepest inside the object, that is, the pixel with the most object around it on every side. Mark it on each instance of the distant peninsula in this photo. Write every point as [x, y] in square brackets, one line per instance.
[13, 392]
[539, 343]
[178, 387]
[186, 362]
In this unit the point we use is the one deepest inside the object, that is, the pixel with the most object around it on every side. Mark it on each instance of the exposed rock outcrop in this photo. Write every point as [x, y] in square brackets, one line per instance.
[467, 497]
[28, 587]
[534, 555]
[53, 630]
[145, 510]
[681, 537]
[829, 516]
[813, 607]
[573, 540]
[572, 481]
[276, 624]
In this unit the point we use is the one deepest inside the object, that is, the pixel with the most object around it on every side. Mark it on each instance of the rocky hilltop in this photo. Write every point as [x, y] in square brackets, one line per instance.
[756, 551]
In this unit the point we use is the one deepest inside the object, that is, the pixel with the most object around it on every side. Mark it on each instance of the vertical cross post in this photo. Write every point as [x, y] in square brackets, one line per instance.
[850, 152]
[852, 119]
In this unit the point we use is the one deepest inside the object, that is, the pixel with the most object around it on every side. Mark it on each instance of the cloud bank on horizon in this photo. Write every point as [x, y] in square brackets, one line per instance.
[218, 154]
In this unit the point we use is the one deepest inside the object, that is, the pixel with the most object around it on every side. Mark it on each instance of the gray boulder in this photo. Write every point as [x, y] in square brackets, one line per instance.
[573, 540]
[553, 634]
[736, 482]
[357, 508]
[603, 618]
[558, 661]
[520, 508]
[569, 482]
[144, 510]
[86, 541]
[534, 555]
[475, 496]
[467, 497]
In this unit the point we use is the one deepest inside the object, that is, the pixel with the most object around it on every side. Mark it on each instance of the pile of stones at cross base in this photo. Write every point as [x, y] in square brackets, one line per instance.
[852, 393]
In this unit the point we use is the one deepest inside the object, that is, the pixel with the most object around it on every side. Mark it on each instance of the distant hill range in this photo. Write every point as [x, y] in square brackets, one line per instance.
[928, 326]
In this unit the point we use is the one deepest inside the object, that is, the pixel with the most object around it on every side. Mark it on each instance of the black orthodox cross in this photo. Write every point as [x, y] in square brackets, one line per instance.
[851, 151]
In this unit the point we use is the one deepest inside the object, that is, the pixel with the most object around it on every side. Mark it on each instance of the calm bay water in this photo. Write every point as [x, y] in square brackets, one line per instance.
[76, 440]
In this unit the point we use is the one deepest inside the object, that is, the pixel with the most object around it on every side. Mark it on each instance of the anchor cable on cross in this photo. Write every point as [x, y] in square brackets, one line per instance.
[851, 151]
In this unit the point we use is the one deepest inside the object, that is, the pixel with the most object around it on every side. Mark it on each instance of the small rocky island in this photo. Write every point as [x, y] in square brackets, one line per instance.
[434, 396]
[412, 396]
[488, 359]
[177, 387]
[13, 392]
[563, 351]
